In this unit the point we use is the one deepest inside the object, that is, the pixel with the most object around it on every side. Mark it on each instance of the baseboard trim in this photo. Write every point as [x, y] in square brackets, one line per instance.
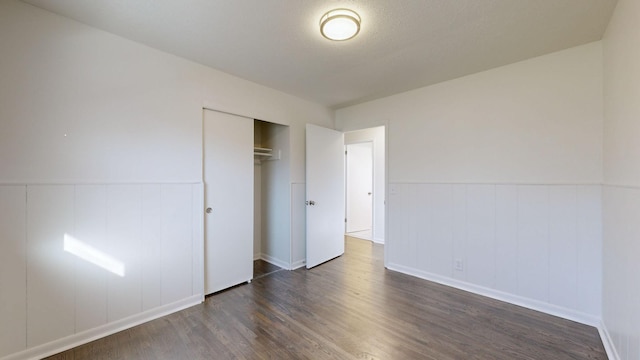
[71, 341]
[607, 342]
[532, 304]
[378, 241]
[298, 264]
[277, 262]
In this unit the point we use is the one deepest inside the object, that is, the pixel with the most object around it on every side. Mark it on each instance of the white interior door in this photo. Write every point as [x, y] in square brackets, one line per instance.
[325, 194]
[228, 177]
[359, 186]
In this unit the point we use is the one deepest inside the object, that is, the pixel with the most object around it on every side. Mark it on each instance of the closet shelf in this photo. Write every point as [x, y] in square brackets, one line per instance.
[259, 151]
[266, 154]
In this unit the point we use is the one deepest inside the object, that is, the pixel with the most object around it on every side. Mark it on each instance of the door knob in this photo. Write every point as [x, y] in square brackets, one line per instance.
[310, 202]
[368, 193]
[209, 210]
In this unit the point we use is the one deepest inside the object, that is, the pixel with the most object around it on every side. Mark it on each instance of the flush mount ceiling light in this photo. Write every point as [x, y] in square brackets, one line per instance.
[340, 24]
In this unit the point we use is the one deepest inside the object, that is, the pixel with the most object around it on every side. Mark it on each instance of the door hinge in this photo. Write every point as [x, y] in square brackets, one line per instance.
[345, 219]
[345, 152]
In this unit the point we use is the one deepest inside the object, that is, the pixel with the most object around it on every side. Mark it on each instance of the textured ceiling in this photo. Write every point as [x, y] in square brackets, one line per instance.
[403, 44]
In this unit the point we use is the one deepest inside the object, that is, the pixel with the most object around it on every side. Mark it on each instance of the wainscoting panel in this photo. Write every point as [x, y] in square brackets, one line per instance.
[151, 257]
[124, 228]
[589, 224]
[91, 280]
[533, 242]
[436, 236]
[298, 225]
[536, 243]
[506, 232]
[563, 246]
[177, 252]
[79, 261]
[50, 269]
[481, 222]
[621, 293]
[13, 265]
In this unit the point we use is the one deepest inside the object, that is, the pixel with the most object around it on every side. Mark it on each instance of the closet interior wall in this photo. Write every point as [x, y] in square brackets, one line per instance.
[272, 202]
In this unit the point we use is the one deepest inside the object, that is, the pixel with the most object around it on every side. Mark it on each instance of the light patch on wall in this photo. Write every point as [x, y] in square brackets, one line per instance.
[92, 255]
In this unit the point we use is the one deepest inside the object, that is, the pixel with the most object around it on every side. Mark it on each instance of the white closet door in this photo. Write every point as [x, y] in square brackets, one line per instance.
[228, 177]
[325, 194]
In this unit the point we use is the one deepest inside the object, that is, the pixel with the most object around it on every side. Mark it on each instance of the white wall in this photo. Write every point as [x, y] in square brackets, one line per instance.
[466, 155]
[257, 210]
[621, 243]
[132, 117]
[276, 201]
[257, 193]
[537, 121]
[377, 136]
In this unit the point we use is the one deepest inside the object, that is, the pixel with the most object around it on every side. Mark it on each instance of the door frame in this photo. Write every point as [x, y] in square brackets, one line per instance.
[380, 196]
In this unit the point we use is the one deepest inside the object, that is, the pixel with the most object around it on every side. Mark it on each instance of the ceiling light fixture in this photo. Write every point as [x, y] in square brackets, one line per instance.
[340, 24]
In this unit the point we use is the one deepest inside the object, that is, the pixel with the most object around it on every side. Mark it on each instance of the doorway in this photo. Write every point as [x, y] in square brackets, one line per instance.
[365, 173]
[359, 190]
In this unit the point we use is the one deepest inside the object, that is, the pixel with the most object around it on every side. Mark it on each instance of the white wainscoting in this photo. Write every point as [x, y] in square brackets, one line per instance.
[78, 262]
[621, 254]
[538, 246]
[13, 264]
[298, 225]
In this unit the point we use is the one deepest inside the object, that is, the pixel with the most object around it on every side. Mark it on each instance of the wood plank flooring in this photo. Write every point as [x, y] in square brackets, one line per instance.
[262, 268]
[349, 308]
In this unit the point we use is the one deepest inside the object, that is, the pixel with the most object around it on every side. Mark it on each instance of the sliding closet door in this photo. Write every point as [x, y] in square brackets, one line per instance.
[228, 177]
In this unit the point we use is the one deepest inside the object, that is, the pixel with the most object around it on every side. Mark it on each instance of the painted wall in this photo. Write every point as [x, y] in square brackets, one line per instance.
[257, 193]
[377, 136]
[621, 243]
[467, 155]
[276, 197]
[79, 108]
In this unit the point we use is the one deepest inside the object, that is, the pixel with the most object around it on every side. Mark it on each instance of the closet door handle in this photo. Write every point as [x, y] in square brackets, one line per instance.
[311, 202]
[209, 210]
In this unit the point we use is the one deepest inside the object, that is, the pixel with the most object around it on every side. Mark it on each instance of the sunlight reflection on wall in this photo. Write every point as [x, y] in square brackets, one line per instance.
[94, 256]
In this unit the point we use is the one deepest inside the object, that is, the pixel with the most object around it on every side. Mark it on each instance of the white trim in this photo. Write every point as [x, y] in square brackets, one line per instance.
[385, 252]
[95, 182]
[257, 256]
[71, 341]
[378, 241]
[532, 304]
[624, 186]
[277, 262]
[238, 111]
[298, 264]
[412, 182]
[607, 342]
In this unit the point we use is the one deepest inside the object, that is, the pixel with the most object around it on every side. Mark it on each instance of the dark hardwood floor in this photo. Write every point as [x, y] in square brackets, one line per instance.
[349, 308]
[262, 268]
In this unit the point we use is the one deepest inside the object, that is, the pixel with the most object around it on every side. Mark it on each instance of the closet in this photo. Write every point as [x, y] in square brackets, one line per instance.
[272, 208]
[247, 206]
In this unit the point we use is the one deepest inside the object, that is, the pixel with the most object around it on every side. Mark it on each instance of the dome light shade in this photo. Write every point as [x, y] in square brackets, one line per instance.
[340, 24]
